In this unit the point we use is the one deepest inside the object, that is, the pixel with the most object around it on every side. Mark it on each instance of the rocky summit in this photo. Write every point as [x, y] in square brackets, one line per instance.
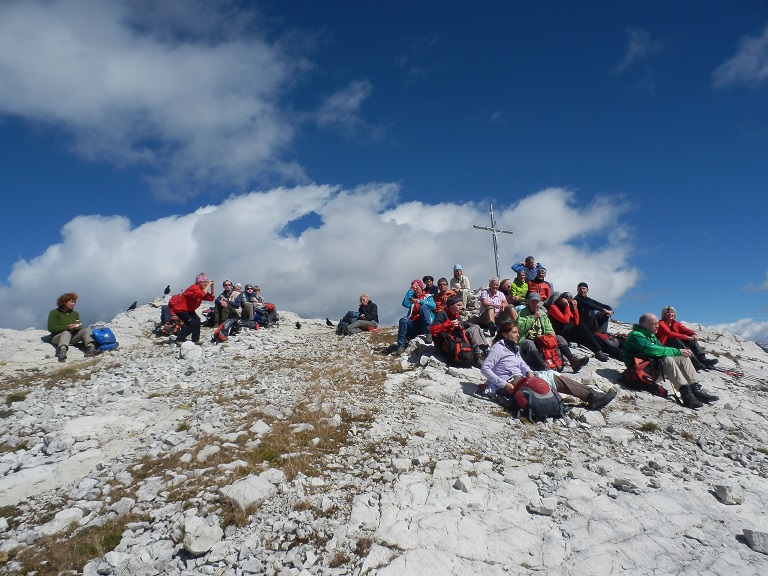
[293, 451]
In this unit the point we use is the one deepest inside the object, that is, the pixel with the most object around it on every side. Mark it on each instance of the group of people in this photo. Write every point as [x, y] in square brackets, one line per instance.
[539, 322]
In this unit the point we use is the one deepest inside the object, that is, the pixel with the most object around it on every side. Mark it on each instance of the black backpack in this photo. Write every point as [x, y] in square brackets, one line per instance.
[534, 398]
[225, 330]
[455, 346]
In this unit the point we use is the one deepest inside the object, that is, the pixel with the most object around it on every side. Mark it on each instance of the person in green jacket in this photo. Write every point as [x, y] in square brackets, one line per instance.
[675, 363]
[65, 327]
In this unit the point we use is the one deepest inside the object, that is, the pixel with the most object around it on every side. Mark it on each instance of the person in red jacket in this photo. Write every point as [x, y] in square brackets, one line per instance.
[185, 306]
[449, 319]
[565, 319]
[540, 285]
[672, 333]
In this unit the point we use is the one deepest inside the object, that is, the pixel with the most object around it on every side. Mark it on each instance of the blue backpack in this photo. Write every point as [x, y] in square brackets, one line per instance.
[104, 338]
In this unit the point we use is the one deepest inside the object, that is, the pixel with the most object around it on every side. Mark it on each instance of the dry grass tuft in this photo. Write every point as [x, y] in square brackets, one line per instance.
[58, 554]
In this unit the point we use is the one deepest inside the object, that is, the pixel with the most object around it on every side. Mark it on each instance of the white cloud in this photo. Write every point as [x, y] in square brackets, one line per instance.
[641, 46]
[747, 328]
[343, 107]
[367, 242]
[194, 106]
[748, 66]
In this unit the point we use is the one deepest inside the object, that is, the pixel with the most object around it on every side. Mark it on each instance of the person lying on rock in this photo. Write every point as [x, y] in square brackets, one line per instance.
[675, 363]
[504, 366]
[672, 333]
[65, 327]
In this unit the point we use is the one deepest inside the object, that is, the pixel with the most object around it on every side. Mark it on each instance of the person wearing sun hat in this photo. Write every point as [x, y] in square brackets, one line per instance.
[460, 284]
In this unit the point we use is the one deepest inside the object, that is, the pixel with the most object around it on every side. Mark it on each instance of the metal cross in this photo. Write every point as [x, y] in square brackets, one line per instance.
[492, 228]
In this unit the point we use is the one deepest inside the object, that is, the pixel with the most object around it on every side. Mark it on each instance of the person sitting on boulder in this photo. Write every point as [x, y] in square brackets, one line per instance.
[540, 285]
[672, 333]
[460, 284]
[518, 290]
[228, 304]
[533, 322]
[429, 285]
[443, 294]
[252, 302]
[449, 319]
[504, 366]
[368, 318]
[65, 327]
[594, 315]
[676, 364]
[529, 266]
[421, 308]
[564, 317]
[492, 304]
[185, 306]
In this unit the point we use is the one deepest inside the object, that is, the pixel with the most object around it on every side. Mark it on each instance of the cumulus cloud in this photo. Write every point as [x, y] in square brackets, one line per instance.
[748, 66]
[184, 90]
[747, 328]
[365, 240]
[640, 47]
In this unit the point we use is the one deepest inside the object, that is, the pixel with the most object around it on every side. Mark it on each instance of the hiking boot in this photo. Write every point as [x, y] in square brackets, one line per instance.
[478, 363]
[597, 399]
[61, 353]
[578, 363]
[602, 357]
[709, 362]
[90, 350]
[492, 329]
[705, 397]
[400, 349]
[689, 400]
[428, 338]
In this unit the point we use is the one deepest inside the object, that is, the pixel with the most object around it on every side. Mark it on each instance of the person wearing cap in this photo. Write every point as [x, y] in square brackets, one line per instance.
[595, 315]
[368, 318]
[564, 317]
[417, 320]
[529, 266]
[460, 284]
[540, 285]
[533, 321]
[185, 306]
[449, 319]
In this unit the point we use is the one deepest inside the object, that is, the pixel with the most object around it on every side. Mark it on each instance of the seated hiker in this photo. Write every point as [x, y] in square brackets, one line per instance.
[540, 285]
[492, 304]
[252, 302]
[449, 320]
[443, 294]
[564, 316]
[518, 290]
[368, 316]
[429, 285]
[504, 366]
[534, 326]
[594, 315]
[421, 308]
[460, 284]
[529, 266]
[65, 327]
[185, 306]
[228, 304]
[673, 333]
[676, 364]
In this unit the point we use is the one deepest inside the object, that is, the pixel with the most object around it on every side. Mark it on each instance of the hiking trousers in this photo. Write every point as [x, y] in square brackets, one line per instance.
[361, 326]
[678, 370]
[66, 338]
[569, 386]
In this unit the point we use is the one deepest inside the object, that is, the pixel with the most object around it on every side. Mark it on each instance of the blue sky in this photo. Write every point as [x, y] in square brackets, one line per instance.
[323, 149]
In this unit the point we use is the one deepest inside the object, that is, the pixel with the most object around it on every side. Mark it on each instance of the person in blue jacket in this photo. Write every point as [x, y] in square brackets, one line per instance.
[421, 310]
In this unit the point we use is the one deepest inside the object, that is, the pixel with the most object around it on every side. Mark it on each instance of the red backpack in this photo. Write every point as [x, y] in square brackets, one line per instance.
[642, 376]
[548, 346]
[534, 398]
